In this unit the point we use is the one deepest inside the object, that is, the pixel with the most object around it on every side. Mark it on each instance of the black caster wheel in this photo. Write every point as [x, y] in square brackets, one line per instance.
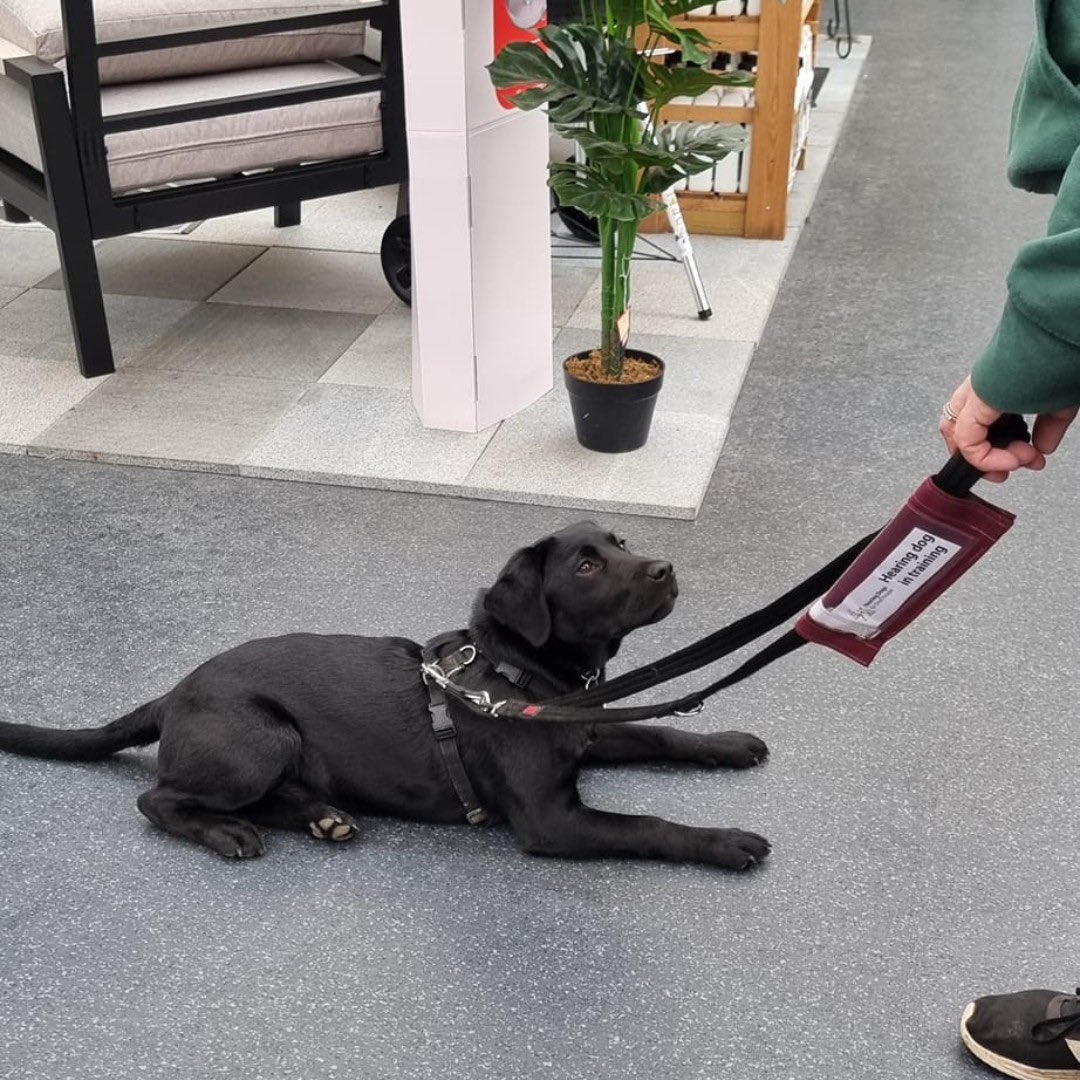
[395, 254]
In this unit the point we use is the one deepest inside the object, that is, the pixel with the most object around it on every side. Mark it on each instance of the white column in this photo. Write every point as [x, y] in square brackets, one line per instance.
[479, 215]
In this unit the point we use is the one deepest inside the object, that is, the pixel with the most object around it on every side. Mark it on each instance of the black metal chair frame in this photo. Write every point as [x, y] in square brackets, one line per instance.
[72, 194]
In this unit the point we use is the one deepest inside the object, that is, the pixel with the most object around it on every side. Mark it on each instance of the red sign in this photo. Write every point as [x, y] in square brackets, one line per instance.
[516, 20]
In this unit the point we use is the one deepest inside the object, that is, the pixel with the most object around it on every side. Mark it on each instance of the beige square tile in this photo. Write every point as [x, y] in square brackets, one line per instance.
[380, 356]
[36, 323]
[9, 292]
[255, 342]
[317, 280]
[149, 266]
[353, 434]
[158, 417]
[535, 458]
[350, 222]
[36, 393]
[27, 254]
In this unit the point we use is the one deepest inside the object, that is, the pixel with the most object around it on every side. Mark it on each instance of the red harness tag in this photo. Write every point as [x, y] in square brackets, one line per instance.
[930, 543]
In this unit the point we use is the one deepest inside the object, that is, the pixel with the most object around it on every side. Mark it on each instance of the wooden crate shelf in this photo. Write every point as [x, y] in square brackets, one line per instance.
[776, 37]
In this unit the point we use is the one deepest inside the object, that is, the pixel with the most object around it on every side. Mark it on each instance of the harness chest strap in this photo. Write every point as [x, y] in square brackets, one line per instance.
[446, 734]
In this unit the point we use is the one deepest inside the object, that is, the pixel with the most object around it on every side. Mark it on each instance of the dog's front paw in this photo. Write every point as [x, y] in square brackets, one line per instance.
[333, 825]
[735, 849]
[731, 750]
[234, 840]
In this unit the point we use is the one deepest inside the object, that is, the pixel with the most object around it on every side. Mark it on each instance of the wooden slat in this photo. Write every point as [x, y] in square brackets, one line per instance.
[774, 127]
[708, 114]
[704, 212]
[725, 34]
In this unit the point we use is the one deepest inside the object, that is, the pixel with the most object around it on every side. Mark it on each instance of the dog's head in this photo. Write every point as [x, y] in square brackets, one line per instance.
[580, 587]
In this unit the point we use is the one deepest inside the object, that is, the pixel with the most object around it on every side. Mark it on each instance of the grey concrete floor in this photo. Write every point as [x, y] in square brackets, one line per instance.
[922, 812]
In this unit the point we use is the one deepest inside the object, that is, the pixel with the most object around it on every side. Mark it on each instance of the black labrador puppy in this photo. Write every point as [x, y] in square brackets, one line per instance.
[282, 731]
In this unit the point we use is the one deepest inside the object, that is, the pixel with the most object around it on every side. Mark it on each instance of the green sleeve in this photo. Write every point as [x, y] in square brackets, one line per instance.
[1032, 364]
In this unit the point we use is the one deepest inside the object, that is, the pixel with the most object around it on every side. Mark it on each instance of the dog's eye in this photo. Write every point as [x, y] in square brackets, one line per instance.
[622, 544]
[587, 566]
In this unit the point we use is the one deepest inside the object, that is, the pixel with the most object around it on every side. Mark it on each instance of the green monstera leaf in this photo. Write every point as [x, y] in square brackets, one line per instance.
[582, 71]
[595, 192]
[689, 149]
[664, 84]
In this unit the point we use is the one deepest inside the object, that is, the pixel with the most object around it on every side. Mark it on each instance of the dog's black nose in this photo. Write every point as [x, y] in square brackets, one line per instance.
[659, 571]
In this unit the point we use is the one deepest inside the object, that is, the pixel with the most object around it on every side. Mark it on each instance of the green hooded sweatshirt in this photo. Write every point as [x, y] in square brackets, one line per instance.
[1032, 364]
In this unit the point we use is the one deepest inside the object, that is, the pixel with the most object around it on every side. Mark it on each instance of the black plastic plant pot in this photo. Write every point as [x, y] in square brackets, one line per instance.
[613, 417]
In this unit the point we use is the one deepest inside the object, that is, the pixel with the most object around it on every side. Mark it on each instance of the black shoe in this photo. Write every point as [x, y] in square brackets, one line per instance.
[1032, 1035]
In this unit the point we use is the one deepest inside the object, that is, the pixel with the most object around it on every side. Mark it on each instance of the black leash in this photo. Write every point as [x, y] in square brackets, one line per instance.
[957, 478]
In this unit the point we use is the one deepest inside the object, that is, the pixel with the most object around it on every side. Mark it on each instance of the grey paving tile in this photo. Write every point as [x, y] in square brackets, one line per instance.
[380, 356]
[148, 266]
[571, 280]
[9, 292]
[345, 434]
[825, 127]
[36, 324]
[318, 280]
[158, 417]
[351, 222]
[662, 303]
[255, 342]
[27, 254]
[535, 458]
[702, 376]
[36, 393]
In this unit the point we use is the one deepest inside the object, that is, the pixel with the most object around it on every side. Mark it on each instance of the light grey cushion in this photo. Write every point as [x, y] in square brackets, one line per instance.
[222, 146]
[18, 134]
[36, 27]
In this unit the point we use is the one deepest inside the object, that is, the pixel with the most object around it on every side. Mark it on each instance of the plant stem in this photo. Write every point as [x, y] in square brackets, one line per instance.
[610, 345]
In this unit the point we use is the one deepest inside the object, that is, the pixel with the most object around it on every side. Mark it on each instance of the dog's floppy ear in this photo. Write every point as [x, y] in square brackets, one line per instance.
[517, 598]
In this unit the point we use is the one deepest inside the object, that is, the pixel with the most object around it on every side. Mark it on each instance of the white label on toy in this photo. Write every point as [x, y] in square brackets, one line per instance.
[905, 570]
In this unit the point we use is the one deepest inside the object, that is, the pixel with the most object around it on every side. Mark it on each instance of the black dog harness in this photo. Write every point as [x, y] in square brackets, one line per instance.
[443, 727]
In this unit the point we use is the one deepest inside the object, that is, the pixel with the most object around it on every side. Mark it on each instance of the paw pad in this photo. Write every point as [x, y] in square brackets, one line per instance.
[332, 827]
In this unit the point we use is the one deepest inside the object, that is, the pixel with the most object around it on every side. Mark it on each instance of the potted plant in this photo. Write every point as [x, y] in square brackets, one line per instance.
[605, 93]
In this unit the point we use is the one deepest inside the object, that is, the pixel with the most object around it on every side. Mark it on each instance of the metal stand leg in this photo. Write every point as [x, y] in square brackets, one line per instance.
[286, 215]
[686, 252]
[14, 214]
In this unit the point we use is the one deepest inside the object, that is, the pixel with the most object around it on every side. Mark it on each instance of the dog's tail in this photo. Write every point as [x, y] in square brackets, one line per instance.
[83, 744]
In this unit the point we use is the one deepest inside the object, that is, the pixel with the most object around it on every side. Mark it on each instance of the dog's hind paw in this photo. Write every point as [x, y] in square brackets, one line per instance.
[333, 825]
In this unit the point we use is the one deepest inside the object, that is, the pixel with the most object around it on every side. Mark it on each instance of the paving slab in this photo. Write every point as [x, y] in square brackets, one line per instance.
[27, 254]
[148, 266]
[535, 457]
[34, 394]
[701, 376]
[36, 324]
[255, 342]
[350, 222]
[164, 418]
[380, 356]
[319, 280]
[352, 435]
[9, 292]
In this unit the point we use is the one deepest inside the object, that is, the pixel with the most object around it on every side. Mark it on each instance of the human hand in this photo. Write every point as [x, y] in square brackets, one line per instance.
[968, 434]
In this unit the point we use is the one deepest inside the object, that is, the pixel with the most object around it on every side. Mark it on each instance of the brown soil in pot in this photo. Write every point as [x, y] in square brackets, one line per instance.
[591, 369]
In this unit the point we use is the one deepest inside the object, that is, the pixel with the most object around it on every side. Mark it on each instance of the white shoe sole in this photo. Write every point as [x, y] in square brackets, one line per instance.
[1003, 1064]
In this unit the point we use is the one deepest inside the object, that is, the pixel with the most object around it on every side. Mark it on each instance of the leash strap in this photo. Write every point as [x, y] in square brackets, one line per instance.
[445, 732]
[719, 644]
